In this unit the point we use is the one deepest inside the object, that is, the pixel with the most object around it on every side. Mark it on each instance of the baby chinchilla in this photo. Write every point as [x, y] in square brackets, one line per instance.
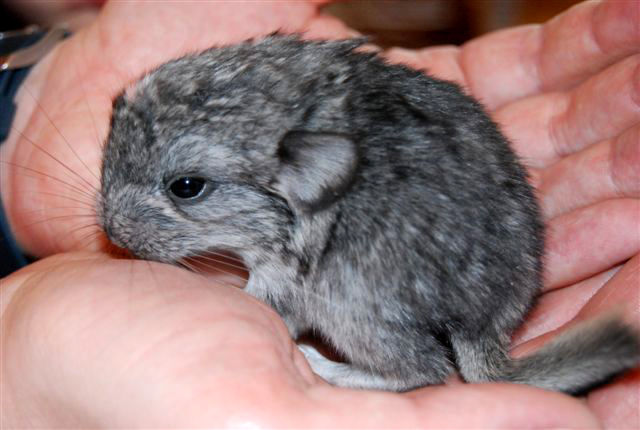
[376, 206]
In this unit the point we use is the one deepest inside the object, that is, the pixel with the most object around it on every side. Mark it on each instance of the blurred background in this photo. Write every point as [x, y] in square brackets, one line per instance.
[409, 23]
[419, 23]
[17, 14]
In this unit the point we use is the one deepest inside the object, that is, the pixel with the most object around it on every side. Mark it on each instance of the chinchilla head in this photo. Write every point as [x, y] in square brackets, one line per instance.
[225, 149]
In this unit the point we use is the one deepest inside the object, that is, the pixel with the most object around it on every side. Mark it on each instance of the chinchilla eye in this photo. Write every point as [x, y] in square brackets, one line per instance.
[187, 187]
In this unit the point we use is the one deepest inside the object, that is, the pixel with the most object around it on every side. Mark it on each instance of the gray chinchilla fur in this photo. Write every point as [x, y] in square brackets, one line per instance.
[377, 206]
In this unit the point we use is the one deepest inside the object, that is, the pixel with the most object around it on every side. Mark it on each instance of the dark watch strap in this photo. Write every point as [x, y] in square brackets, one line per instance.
[11, 256]
[11, 79]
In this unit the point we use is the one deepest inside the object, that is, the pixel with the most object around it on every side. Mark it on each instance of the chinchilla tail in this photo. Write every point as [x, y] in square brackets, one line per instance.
[578, 360]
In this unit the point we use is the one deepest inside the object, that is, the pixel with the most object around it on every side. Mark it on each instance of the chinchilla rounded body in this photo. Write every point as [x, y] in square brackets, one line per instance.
[372, 204]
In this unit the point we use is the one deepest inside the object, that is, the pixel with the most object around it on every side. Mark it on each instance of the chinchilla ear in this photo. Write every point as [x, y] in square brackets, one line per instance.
[316, 168]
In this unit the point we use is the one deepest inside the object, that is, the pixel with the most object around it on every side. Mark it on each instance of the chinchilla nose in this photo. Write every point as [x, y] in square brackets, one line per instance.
[108, 229]
[107, 217]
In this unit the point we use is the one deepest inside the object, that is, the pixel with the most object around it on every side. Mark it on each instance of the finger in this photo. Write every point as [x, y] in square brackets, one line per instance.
[328, 28]
[618, 295]
[459, 406]
[563, 123]
[175, 29]
[441, 61]
[191, 354]
[616, 405]
[587, 241]
[106, 339]
[555, 308]
[496, 406]
[604, 171]
[596, 34]
[511, 64]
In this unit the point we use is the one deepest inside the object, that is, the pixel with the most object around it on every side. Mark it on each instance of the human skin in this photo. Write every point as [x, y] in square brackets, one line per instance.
[93, 341]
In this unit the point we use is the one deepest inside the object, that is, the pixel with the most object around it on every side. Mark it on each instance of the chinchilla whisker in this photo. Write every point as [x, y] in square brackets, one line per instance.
[59, 208]
[201, 274]
[228, 257]
[53, 218]
[152, 273]
[112, 88]
[301, 291]
[47, 153]
[61, 135]
[88, 204]
[71, 186]
[190, 267]
[88, 241]
[82, 227]
[221, 261]
[212, 267]
[35, 174]
[86, 237]
[86, 103]
[92, 234]
[206, 265]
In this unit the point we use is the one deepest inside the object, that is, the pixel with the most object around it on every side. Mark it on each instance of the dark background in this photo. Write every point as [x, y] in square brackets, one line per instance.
[409, 23]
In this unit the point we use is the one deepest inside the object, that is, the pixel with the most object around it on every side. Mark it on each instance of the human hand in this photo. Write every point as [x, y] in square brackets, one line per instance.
[522, 105]
[567, 94]
[93, 342]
